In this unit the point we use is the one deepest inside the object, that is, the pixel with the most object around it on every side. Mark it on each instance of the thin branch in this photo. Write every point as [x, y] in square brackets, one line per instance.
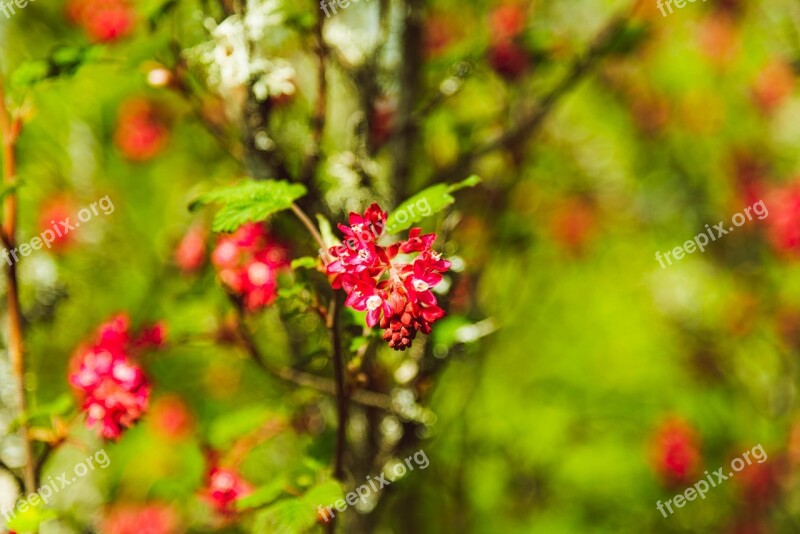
[309, 226]
[334, 327]
[10, 127]
[370, 399]
[320, 107]
[529, 124]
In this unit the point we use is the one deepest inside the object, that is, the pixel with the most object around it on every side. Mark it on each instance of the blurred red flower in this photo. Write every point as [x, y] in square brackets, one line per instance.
[50, 216]
[153, 518]
[248, 262]
[191, 252]
[223, 488]
[783, 221]
[775, 82]
[507, 22]
[676, 451]
[103, 20]
[113, 389]
[171, 418]
[142, 129]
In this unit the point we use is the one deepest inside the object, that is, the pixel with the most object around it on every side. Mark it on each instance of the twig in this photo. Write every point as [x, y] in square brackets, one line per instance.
[309, 226]
[10, 127]
[334, 327]
[320, 107]
[370, 399]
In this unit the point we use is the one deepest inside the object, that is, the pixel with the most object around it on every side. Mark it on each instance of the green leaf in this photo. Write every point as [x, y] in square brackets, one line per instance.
[231, 426]
[62, 61]
[326, 231]
[298, 514]
[248, 201]
[425, 203]
[306, 262]
[324, 493]
[30, 519]
[263, 495]
[287, 515]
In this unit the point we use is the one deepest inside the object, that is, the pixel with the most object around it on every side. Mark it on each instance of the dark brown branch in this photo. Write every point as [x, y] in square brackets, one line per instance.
[529, 124]
[342, 402]
[10, 127]
[370, 399]
[320, 106]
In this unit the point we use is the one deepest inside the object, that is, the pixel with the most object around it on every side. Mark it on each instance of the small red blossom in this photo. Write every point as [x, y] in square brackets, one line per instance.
[507, 22]
[248, 262]
[191, 251]
[784, 220]
[103, 20]
[395, 294]
[52, 213]
[508, 59]
[171, 418]
[223, 488]
[142, 130]
[114, 390]
[774, 84]
[676, 451]
[153, 518]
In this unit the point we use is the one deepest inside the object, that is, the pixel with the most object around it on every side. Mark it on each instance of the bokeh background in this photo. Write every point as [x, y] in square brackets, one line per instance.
[574, 382]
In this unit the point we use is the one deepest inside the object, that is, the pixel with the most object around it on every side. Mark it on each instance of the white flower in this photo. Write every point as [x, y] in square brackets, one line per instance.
[262, 14]
[278, 78]
[353, 45]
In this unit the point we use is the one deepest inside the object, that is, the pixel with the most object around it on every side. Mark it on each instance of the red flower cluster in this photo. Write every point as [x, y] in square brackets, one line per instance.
[677, 451]
[142, 130]
[396, 295]
[248, 262]
[103, 20]
[113, 389]
[506, 55]
[223, 488]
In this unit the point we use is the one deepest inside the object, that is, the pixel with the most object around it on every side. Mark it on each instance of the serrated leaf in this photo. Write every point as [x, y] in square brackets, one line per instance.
[324, 493]
[425, 203]
[306, 262]
[263, 495]
[249, 201]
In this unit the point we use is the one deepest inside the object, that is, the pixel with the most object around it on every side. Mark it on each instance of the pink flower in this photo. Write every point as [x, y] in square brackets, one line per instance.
[248, 262]
[113, 389]
[223, 488]
[395, 294]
